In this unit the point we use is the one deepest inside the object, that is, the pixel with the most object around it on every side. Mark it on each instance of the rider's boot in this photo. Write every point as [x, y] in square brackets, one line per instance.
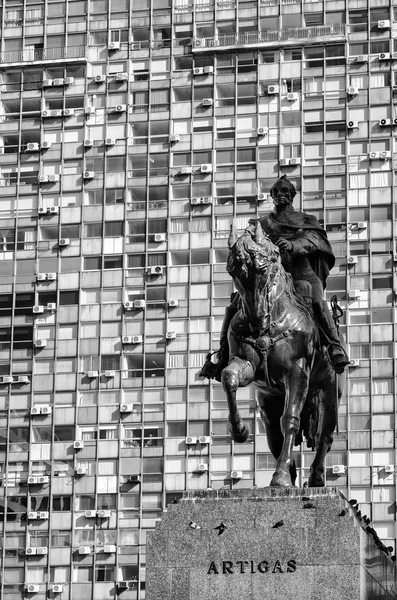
[214, 370]
[336, 352]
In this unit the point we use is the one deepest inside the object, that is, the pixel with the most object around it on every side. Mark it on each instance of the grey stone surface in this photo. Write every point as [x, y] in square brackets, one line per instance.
[335, 558]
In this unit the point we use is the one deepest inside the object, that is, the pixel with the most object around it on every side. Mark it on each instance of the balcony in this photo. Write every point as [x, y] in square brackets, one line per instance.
[34, 56]
[266, 39]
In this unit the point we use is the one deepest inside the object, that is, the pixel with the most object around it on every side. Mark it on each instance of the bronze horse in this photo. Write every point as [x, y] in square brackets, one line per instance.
[274, 343]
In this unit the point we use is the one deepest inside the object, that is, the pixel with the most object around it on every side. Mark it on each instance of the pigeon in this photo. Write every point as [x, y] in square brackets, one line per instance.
[305, 498]
[278, 524]
[221, 528]
[343, 513]
[309, 505]
[393, 558]
[366, 520]
[358, 513]
[352, 502]
[194, 525]
[174, 501]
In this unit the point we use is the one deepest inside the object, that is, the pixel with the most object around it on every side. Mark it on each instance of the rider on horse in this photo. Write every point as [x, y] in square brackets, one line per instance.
[307, 255]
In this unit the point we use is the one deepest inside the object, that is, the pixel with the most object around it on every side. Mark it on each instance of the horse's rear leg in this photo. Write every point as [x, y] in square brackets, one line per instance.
[238, 373]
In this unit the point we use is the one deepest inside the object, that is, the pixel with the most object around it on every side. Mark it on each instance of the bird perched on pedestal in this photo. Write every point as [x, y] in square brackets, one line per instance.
[221, 528]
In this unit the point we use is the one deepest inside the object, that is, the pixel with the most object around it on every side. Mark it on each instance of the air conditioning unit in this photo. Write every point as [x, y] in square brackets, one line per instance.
[89, 110]
[81, 471]
[191, 440]
[41, 277]
[47, 83]
[127, 584]
[354, 362]
[209, 70]
[56, 113]
[32, 480]
[156, 270]
[121, 108]
[53, 178]
[84, 550]
[38, 309]
[32, 147]
[195, 200]
[109, 548]
[29, 550]
[88, 143]
[23, 379]
[110, 142]
[362, 224]
[51, 276]
[127, 339]
[206, 200]
[236, 474]
[78, 444]
[160, 237]
[352, 90]
[88, 175]
[128, 305]
[295, 161]
[32, 588]
[44, 514]
[90, 514]
[103, 514]
[385, 154]
[352, 124]
[262, 197]
[109, 373]
[68, 112]
[384, 122]
[54, 210]
[198, 71]
[198, 42]
[7, 379]
[384, 24]
[384, 56]
[353, 294]
[338, 469]
[58, 81]
[352, 260]
[139, 304]
[208, 101]
[273, 89]
[284, 162]
[173, 303]
[126, 408]
[122, 76]
[46, 410]
[43, 479]
[389, 468]
[262, 130]
[395, 121]
[114, 46]
[175, 137]
[185, 170]
[92, 374]
[202, 467]
[292, 97]
[170, 335]
[42, 550]
[43, 179]
[361, 58]
[100, 78]
[206, 168]
[51, 306]
[57, 588]
[45, 114]
[374, 155]
[32, 515]
[204, 439]
[134, 478]
[64, 242]
[35, 410]
[69, 81]
[42, 210]
[137, 339]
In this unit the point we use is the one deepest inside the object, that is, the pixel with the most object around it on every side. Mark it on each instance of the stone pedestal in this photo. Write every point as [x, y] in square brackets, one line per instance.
[289, 544]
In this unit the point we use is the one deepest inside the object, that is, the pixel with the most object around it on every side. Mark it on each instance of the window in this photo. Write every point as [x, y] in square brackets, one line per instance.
[69, 298]
[104, 572]
[60, 539]
[61, 503]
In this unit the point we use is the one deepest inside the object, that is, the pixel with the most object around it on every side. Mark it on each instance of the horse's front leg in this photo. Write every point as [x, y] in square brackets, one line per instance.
[296, 383]
[238, 373]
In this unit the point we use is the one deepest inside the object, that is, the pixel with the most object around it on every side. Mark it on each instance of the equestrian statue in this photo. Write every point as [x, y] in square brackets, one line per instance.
[279, 334]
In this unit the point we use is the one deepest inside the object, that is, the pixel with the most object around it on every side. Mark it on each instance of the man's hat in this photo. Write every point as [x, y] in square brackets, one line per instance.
[284, 182]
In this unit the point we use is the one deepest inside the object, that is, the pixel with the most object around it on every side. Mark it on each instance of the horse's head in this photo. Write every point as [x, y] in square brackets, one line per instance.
[253, 258]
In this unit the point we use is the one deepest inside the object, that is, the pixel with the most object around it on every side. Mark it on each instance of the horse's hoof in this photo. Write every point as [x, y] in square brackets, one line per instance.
[316, 481]
[281, 479]
[241, 434]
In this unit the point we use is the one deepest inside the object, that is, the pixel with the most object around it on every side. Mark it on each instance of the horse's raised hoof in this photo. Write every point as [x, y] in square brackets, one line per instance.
[281, 479]
[239, 433]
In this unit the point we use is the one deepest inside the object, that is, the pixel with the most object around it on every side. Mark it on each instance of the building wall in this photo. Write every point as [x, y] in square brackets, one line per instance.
[131, 136]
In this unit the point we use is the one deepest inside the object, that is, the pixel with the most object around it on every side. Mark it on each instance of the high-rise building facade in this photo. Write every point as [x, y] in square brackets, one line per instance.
[132, 134]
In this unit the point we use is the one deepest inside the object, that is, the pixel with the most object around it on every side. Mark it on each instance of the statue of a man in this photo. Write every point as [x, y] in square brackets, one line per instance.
[307, 255]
